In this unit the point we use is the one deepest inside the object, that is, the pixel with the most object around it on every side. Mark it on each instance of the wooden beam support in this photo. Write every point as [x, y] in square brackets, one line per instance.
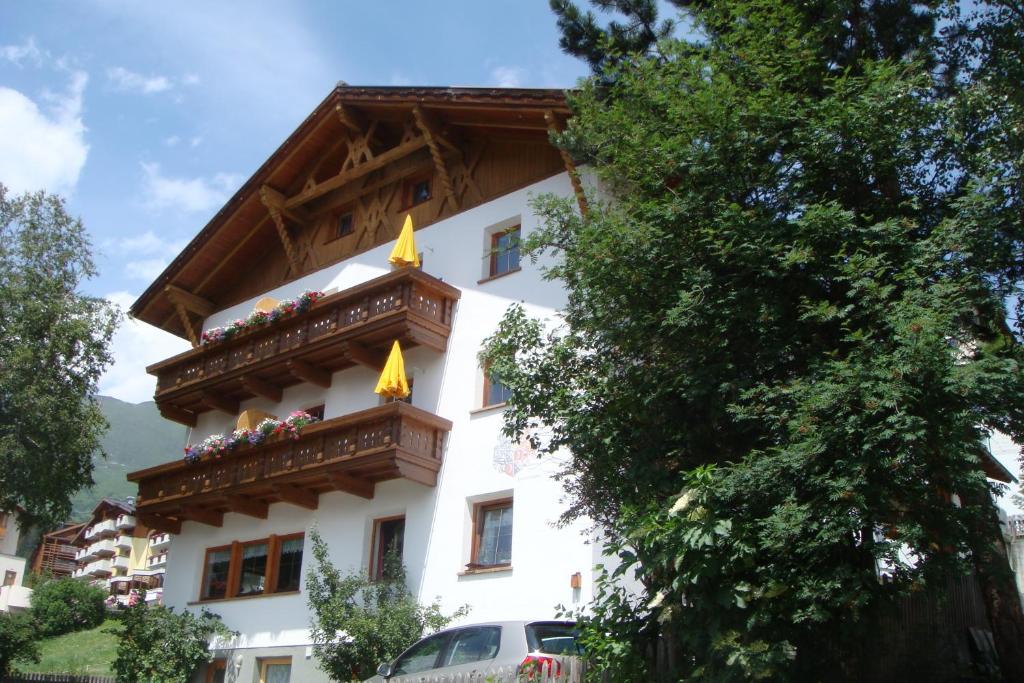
[247, 506]
[296, 495]
[179, 415]
[220, 402]
[308, 372]
[202, 515]
[262, 387]
[186, 322]
[345, 177]
[354, 485]
[192, 302]
[431, 131]
[363, 355]
[555, 126]
[352, 119]
[269, 196]
[159, 522]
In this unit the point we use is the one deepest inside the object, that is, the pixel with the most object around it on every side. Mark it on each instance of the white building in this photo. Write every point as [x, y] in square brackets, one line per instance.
[473, 514]
[13, 595]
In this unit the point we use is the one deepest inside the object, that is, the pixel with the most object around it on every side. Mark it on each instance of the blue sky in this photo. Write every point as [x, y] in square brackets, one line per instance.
[147, 116]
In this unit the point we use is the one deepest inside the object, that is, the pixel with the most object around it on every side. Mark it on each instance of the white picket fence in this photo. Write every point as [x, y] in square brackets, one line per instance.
[571, 671]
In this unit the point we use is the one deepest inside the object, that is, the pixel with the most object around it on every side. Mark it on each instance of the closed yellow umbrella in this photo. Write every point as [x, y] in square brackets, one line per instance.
[392, 382]
[404, 254]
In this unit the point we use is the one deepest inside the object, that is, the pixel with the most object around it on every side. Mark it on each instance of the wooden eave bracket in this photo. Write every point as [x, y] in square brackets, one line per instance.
[159, 522]
[366, 356]
[262, 387]
[193, 303]
[354, 485]
[274, 201]
[352, 119]
[247, 506]
[308, 372]
[201, 515]
[555, 125]
[297, 495]
[431, 130]
[220, 402]
[179, 415]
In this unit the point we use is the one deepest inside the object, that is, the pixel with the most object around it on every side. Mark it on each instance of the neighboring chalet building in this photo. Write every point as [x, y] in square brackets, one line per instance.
[56, 553]
[472, 513]
[120, 554]
[13, 595]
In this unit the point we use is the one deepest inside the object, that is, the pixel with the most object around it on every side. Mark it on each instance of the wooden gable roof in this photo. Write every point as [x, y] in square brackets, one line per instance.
[355, 149]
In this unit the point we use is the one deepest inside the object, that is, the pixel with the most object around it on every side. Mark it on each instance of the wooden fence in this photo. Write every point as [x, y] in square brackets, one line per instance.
[57, 678]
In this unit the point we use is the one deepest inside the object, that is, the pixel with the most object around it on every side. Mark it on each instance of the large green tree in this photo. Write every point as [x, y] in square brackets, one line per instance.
[55, 347]
[786, 335]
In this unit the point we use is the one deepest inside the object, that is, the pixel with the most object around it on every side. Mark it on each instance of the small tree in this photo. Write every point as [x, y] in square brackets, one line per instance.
[65, 605]
[159, 646]
[359, 623]
[18, 636]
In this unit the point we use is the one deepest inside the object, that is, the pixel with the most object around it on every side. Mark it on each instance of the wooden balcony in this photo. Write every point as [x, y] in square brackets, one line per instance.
[350, 453]
[357, 325]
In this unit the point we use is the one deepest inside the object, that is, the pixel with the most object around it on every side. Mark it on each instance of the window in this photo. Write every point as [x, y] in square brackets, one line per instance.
[10, 577]
[417, 191]
[407, 399]
[317, 411]
[217, 671]
[422, 656]
[260, 567]
[492, 539]
[276, 670]
[388, 537]
[495, 393]
[505, 251]
[345, 225]
[215, 576]
[473, 645]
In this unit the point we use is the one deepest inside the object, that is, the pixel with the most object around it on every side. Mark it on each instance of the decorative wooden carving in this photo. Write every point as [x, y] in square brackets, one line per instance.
[431, 130]
[556, 126]
[186, 323]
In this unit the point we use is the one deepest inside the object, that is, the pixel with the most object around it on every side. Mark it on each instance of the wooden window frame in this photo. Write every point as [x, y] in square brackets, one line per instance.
[374, 543]
[215, 666]
[273, 543]
[411, 183]
[270, 661]
[479, 510]
[487, 391]
[492, 270]
[320, 407]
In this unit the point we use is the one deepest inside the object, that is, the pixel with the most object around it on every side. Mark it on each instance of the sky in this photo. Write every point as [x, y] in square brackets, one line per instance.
[148, 116]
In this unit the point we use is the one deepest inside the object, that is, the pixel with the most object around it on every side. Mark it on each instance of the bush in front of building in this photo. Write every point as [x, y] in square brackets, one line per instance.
[159, 646]
[18, 641]
[65, 605]
[357, 623]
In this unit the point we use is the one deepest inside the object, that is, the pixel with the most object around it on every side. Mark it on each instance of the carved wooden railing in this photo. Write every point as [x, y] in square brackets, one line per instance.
[348, 453]
[418, 306]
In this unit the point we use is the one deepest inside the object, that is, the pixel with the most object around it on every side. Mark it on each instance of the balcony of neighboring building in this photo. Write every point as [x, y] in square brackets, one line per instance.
[125, 522]
[104, 548]
[120, 563]
[159, 541]
[105, 528]
[100, 568]
[354, 326]
[351, 453]
[123, 541]
[157, 561]
[85, 554]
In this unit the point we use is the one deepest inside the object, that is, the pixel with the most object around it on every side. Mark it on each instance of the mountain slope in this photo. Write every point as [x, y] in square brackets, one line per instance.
[138, 437]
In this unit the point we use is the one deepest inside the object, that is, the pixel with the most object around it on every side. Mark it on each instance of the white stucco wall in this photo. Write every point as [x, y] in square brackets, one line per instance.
[16, 596]
[438, 519]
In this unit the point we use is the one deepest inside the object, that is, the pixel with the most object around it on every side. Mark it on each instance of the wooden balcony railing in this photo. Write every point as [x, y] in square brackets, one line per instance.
[353, 326]
[350, 453]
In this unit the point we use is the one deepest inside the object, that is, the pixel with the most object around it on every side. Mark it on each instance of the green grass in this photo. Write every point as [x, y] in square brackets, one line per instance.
[85, 652]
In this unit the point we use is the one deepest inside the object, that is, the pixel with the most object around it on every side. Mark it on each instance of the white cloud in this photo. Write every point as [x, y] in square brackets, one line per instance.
[190, 79]
[195, 142]
[19, 53]
[123, 79]
[42, 149]
[146, 255]
[172, 141]
[508, 76]
[145, 269]
[186, 194]
[135, 345]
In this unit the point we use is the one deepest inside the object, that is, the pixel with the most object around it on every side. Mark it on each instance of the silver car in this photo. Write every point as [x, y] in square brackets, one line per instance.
[484, 648]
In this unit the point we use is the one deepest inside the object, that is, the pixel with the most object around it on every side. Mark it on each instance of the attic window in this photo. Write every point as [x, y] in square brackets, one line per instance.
[346, 225]
[418, 191]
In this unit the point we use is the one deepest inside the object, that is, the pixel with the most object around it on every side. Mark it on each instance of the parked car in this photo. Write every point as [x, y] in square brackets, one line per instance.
[483, 647]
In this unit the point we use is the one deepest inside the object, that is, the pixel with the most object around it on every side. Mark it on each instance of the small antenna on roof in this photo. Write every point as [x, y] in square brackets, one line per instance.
[342, 84]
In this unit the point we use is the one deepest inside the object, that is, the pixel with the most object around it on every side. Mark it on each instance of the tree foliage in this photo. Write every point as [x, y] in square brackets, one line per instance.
[53, 353]
[357, 623]
[158, 646]
[785, 339]
[65, 605]
[18, 641]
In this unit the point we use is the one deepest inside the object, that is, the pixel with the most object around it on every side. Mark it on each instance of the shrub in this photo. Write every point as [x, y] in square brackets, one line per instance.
[65, 605]
[158, 646]
[359, 623]
[18, 636]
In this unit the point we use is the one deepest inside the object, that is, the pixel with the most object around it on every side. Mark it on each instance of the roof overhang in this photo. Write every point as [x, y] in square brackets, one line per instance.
[504, 111]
